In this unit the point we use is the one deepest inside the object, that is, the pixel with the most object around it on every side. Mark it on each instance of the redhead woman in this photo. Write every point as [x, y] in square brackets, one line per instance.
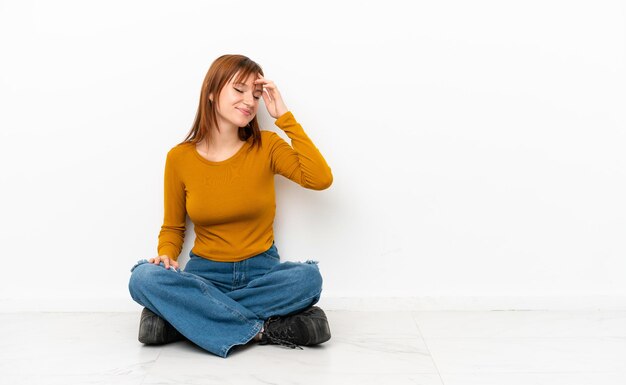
[234, 289]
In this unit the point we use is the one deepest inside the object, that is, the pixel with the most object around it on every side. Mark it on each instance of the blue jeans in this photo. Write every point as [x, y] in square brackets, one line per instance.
[218, 305]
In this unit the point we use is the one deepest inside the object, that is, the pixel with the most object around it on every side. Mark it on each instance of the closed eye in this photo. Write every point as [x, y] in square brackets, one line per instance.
[241, 92]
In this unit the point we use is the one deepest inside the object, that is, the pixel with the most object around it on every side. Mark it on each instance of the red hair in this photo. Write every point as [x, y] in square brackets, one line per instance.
[220, 73]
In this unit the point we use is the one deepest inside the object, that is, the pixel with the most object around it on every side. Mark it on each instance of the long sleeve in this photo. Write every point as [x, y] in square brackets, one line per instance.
[172, 234]
[303, 163]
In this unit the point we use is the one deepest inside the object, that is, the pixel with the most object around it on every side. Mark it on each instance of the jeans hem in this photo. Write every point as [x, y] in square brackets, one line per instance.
[258, 325]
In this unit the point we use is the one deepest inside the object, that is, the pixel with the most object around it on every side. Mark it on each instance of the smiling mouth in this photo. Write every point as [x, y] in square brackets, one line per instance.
[245, 112]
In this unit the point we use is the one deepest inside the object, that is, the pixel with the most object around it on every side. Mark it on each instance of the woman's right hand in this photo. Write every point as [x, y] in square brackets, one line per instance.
[167, 261]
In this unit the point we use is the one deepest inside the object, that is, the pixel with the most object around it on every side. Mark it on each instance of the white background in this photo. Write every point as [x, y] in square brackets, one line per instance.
[477, 147]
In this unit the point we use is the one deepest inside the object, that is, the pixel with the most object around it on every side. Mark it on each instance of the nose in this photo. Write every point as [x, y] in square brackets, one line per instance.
[248, 99]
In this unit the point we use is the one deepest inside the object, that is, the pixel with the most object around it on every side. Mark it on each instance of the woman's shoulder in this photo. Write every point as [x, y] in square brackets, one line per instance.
[180, 149]
[269, 136]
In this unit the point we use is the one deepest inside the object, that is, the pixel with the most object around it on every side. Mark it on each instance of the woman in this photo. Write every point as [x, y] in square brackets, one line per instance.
[234, 289]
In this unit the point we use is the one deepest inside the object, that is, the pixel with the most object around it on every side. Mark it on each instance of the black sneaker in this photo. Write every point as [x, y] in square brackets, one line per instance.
[307, 328]
[154, 330]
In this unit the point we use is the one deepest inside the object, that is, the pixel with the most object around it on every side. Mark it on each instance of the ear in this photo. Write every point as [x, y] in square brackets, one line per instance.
[211, 96]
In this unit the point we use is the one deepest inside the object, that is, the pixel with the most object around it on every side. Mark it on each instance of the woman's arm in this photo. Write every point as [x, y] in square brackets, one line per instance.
[172, 235]
[303, 163]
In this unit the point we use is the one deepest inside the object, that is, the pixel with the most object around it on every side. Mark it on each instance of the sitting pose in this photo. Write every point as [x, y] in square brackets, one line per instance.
[234, 289]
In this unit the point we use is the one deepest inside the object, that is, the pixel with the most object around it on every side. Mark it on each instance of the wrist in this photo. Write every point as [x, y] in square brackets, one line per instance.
[281, 110]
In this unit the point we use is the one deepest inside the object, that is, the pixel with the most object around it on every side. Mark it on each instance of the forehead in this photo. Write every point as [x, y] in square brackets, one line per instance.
[249, 81]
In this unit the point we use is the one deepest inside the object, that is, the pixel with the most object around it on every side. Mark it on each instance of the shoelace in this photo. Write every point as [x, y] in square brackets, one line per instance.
[281, 342]
[281, 337]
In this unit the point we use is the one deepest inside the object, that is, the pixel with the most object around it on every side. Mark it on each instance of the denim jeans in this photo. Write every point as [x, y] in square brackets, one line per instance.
[218, 305]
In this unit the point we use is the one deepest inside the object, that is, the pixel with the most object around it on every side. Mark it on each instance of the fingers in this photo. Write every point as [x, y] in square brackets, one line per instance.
[167, 262]
[267, 98]
[268, 84]
[272, 97]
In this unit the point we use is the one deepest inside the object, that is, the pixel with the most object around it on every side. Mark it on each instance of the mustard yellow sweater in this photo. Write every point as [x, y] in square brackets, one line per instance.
[232, 203]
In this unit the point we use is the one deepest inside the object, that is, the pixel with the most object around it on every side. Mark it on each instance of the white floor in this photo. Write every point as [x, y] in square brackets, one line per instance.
[451, 348]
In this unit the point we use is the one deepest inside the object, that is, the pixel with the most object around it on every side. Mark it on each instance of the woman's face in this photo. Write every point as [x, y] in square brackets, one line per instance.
[238, 102]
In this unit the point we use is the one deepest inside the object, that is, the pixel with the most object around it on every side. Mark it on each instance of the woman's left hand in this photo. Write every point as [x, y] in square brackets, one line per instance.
[273, 101]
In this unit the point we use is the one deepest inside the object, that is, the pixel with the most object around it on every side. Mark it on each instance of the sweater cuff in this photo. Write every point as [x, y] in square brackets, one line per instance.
[287, 117]
[169, 251]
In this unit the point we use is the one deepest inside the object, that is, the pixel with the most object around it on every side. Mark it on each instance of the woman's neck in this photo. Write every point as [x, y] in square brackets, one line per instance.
[225, 138]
